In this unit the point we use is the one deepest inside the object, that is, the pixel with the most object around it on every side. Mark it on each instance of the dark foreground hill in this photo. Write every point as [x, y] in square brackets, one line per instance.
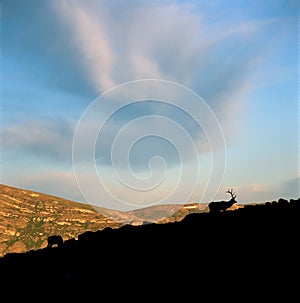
[245, 253]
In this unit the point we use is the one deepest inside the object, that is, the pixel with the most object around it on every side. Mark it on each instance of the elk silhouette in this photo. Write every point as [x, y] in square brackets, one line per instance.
[55, 240]
[219, 206]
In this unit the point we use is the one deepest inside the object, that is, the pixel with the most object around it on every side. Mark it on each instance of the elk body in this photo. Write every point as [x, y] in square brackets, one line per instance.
[55, 240]
[219, 206]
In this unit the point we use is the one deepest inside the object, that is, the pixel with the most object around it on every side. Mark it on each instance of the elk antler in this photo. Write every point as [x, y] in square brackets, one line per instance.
[233, 195]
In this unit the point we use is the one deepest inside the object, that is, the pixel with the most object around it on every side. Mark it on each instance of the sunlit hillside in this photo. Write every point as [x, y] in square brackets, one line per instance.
[27, 218]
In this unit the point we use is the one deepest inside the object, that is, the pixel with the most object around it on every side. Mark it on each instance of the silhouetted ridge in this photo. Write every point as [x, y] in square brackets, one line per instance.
[258, 242]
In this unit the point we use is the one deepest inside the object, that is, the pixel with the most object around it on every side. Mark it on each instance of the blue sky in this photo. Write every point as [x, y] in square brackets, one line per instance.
[58, 58]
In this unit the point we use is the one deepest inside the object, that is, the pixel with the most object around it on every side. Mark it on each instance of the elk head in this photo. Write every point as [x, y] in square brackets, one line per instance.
[233, 196]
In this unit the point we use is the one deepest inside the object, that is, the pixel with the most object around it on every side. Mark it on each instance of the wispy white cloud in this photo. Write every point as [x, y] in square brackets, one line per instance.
[120, 43]
[92, 41]
[42, 138]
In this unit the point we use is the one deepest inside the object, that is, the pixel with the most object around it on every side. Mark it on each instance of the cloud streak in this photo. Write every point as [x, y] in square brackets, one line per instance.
[164, 41]
[91, 39]
[120, 43]
[48, 139]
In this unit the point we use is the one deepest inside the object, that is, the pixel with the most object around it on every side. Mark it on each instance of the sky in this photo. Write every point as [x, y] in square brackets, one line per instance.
[127, 104]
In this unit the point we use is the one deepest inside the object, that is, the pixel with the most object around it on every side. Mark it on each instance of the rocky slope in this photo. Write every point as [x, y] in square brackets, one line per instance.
[27, 218]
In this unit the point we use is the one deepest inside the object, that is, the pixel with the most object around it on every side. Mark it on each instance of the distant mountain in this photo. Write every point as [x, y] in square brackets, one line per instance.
[27, 218]
[168, 212]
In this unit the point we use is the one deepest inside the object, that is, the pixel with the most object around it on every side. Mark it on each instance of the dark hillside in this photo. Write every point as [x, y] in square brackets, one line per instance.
[254, 249]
